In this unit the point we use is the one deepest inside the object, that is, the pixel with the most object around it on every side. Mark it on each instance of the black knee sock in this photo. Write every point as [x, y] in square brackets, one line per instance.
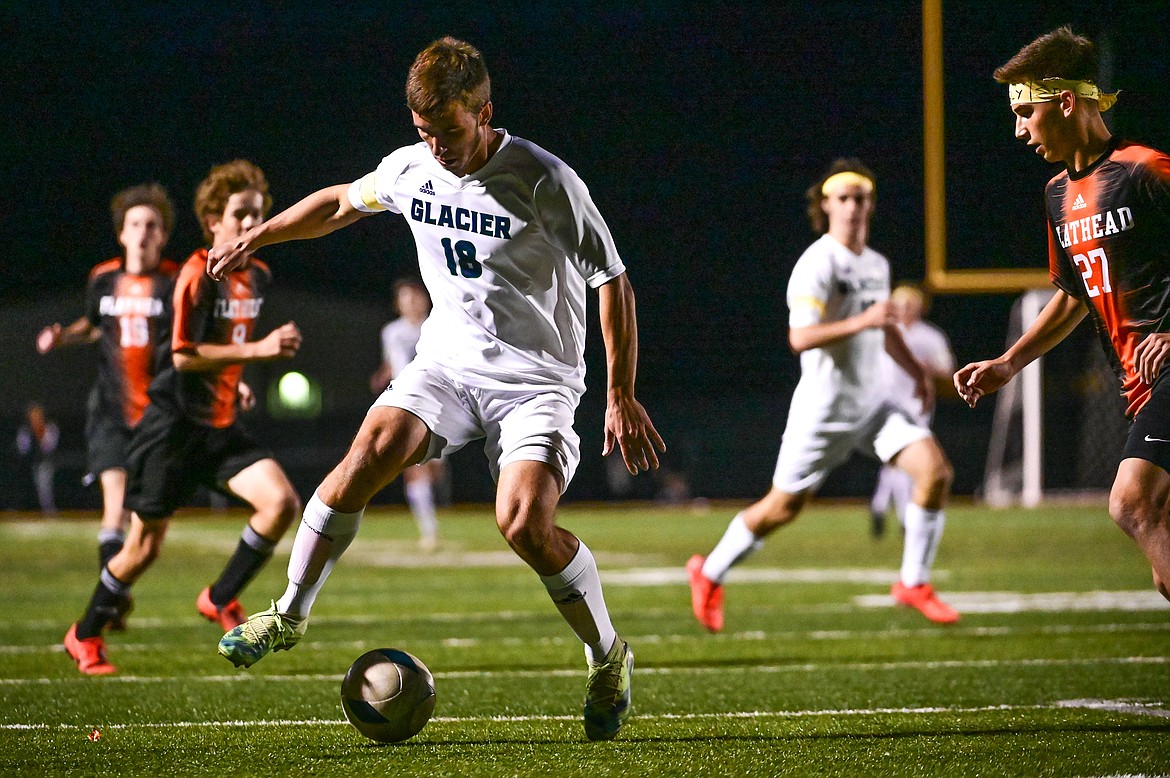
[107, 547]
[252, 552]
[103, 605]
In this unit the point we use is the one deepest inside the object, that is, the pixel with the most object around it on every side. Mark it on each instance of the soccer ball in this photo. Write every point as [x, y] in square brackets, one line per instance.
[388, 695]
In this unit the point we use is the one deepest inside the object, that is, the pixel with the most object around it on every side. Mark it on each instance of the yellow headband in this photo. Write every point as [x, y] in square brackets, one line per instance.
[847, 178]
[1050, 89]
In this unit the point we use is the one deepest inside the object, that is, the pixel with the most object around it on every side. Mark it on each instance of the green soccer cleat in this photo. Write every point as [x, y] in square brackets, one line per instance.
[266, 631]
[607, 693]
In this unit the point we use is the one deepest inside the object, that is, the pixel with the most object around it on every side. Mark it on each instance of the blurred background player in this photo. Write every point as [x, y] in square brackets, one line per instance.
[128, 312]
[508, 239]
[1109, 257]
[189, 434]
[36, 445]
[840, 323]
[930, 347]
[399, 344]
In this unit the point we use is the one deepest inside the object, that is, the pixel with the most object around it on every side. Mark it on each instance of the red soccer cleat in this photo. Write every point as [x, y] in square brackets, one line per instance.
[923, 599]
[706, 596]
[228, 617]
[89, 654]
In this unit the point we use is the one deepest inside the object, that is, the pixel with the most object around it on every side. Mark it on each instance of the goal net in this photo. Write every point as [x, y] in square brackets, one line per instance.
[1060, 425]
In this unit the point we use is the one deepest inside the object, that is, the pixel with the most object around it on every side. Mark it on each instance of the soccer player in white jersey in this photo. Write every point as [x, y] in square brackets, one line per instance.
[840, 322]
[399, 348]
[930, 347]
[508, 238]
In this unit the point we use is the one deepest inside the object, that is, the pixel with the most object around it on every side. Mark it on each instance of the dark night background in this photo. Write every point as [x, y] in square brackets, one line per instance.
[697, 126]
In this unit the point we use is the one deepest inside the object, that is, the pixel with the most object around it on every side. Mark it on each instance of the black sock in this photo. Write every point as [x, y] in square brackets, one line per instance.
[252, 552]
[107, 549]
[103, 605]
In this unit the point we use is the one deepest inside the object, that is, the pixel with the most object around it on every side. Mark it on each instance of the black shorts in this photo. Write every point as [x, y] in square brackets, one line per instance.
[106, 441]
[1149, 435]
[170, 456]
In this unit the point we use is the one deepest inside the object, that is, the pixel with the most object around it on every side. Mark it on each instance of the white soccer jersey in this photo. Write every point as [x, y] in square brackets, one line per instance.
[929, 346]
[400, 343]
[844, 381]
[506, 253]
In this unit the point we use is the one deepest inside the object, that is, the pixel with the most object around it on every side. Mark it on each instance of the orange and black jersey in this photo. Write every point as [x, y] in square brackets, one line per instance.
[132, 311]
[209, 311]
[1109, 246]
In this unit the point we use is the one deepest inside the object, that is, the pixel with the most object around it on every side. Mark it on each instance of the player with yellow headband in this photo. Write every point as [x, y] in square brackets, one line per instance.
[1109, 257]
[841, 323]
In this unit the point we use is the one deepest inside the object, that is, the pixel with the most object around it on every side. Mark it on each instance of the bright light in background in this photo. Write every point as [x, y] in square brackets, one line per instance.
[295, 395]
[295, 391]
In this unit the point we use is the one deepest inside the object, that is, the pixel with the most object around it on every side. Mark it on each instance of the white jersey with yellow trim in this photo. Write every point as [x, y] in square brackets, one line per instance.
[844, 381]
[506, 253]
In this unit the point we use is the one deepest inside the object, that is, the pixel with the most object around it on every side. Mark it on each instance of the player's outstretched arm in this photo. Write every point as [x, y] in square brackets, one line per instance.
[1060, 316]
[627, 425]
[826, 333]
[56, 336]
[282, 343]
[318, 214]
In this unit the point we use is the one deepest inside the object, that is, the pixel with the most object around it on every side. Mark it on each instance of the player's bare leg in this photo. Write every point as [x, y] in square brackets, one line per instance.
[84, 641]
[275, 504]
[1138, 504]
[389, 440]
[115, 518]
[526, 501]
[744, 536]
[926, 463]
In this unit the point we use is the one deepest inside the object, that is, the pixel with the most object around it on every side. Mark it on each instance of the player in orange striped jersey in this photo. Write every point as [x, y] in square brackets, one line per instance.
[1109, 257]
[128, 312]
[190, 434]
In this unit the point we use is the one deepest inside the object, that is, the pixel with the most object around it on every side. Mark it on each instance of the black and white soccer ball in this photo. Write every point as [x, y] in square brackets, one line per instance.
[388, 695]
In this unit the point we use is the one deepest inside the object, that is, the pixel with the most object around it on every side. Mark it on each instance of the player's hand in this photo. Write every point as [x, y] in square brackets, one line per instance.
[1150, 355]
[880, 314]
[981, 378]
[47, 338]
[628, 427]
[282, 343]
[226, 257]
[246, 397]
[924, 391]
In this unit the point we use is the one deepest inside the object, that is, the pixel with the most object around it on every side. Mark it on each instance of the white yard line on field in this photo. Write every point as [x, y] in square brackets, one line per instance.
[1134, 708]
[808, 667]
[676, 638]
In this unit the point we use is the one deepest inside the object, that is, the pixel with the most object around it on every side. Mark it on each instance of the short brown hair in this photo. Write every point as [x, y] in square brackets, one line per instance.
[153, 195]
[1057, 54]
[448, 71]
[224, 181]
[814, 195]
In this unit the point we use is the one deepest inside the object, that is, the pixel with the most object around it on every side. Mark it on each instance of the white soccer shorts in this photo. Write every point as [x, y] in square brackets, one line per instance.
[809, 452]
[528, 423]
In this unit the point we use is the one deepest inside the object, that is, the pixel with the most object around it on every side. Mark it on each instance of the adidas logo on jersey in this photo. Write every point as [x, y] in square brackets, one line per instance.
[427, 189]
[1079, 203]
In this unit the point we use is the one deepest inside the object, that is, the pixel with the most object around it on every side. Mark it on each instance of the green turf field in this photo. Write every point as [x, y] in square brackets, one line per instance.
[1060, 665]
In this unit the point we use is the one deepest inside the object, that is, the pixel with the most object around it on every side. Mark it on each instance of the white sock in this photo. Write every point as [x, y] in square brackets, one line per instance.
[421, 497]
[576, 591]
[882, 491]
[923, 531]
[736, 545]
[903, 491]
[322, 537]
